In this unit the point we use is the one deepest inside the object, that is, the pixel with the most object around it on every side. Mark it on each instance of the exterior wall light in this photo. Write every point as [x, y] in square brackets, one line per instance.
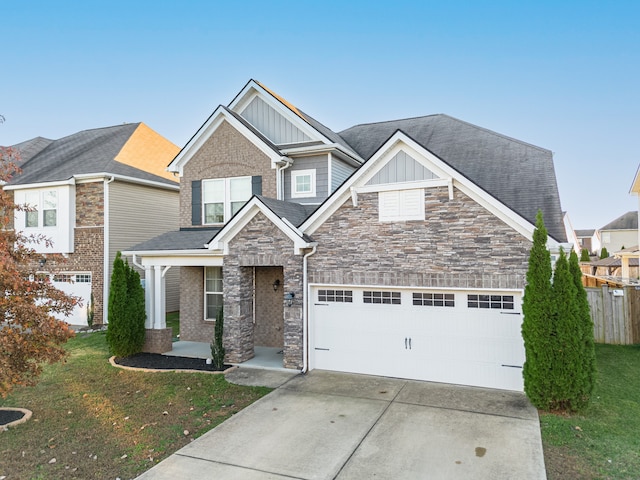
[289, 298]
[276, 284]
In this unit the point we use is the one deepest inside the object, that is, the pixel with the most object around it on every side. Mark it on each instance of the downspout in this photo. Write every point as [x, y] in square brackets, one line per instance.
[305, 311]
[280, 179]
[105, 260]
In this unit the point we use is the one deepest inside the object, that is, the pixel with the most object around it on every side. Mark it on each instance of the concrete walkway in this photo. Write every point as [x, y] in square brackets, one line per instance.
[327, 425]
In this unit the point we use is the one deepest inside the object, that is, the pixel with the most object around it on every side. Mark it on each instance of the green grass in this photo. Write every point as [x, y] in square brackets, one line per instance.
[128, 420]
[173, 322]
[604, 440]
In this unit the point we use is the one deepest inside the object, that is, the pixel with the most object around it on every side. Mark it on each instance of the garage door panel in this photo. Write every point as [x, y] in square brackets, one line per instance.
[453, 344]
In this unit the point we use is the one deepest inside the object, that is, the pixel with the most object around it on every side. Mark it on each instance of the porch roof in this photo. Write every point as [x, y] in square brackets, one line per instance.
[183, 239]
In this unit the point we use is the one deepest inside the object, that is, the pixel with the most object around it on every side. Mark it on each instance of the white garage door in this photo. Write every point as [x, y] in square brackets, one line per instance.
[78, 285]
[461, 337]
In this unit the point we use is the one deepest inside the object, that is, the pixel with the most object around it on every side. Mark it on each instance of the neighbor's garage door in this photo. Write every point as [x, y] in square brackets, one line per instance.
[78, 285]
[461, 337]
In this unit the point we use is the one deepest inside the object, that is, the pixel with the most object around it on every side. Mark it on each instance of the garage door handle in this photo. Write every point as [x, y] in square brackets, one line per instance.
[405, 343]
[409, 343]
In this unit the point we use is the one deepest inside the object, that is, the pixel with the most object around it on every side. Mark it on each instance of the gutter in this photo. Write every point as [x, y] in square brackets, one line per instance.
[305, 311]
[279, 178]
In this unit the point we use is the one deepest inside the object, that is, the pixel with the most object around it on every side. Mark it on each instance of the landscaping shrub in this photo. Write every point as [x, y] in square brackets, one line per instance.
[125, 331]
[217, 348]
[584, 255]
[604, 253]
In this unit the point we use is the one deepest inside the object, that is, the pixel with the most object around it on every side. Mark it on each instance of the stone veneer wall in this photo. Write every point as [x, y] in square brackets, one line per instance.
[260, 244]
[227, 153]
[459, 239]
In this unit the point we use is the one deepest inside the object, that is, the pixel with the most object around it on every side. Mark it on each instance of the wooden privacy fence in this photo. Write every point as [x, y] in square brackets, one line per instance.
[615, 313]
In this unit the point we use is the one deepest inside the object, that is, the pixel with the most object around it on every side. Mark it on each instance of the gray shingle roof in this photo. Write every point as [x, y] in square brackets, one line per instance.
[192, 239]
[585, 233]
[85, 152]
[30, 148]
[327, 132]
[518, 174]
[293, 212]
[628, 221]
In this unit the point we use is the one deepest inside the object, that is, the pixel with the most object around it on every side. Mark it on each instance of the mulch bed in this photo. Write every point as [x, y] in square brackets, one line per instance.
[158, 361]
[8, 416]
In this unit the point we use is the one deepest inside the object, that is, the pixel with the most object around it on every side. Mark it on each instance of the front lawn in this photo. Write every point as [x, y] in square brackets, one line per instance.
[604, 440]
[91, 420]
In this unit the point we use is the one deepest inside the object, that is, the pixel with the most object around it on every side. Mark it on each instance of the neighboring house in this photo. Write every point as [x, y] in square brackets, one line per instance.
[618, 234]
[585, 238]
[93, 193]
[396, 248]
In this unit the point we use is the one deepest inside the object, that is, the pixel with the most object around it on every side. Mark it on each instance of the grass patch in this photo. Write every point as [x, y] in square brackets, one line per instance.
[98, 421]
[602, 441]
[173, 322]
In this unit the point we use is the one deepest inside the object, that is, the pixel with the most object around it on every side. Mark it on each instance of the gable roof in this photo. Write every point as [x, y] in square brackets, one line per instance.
[518, 174]
[29, 148]
[83, 153]
[628, 221]
[585, 233]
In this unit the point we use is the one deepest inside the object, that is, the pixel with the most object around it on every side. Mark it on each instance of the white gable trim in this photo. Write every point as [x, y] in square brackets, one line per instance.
[250, 210]
[400, 141]
[253, 89]
[210, 126]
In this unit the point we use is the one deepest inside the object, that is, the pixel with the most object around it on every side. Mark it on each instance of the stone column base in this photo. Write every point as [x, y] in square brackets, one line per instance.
[157, 341]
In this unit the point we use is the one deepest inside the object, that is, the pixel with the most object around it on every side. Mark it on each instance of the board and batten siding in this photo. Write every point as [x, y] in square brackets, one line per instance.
[272, 124]
[319, 163]
[138, 213]
[401, 168]
[340, 171]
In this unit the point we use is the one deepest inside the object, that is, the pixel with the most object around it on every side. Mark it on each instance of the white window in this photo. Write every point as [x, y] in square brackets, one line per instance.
[399, 205]
[303, 183]
[212, 292]
[223, 197]
[43, 209]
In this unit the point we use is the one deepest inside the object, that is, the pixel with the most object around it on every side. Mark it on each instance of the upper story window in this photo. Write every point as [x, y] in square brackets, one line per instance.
[400, 205]
[43, 209]
[303, 183]
[223, 197]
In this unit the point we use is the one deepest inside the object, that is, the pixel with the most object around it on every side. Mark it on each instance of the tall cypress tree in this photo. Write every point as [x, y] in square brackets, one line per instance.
[587, 374]
[136, 314]
[118, 299]
[537, 326]
[567, 339]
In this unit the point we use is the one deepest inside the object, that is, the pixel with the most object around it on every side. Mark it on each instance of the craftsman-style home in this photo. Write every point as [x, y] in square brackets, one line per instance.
[395, 248]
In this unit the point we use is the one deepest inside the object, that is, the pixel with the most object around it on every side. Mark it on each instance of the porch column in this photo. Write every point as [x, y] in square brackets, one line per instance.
[625, 266]
[149, 297]
[159, 320]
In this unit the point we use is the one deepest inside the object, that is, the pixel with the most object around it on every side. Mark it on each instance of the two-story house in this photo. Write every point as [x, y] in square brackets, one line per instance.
[91, 194]
[395, 248]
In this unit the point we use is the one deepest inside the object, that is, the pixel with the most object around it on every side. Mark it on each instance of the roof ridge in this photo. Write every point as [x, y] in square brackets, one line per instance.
[391, 121]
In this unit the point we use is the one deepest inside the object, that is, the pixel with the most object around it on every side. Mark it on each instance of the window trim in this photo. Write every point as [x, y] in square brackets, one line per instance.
[38, 208]
[212, 292]
[226, 205]
[303, 173]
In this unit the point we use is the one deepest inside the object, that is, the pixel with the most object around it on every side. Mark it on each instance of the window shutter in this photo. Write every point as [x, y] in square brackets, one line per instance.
[196, 202]
[256, 185]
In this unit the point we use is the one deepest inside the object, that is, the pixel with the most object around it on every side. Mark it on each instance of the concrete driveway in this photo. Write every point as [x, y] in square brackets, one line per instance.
[327, 425]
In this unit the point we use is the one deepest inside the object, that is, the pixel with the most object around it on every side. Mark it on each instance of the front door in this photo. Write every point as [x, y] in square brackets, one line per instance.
[268, 328]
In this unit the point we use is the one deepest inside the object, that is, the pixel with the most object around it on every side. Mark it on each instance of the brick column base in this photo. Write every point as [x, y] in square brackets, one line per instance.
[157, 341]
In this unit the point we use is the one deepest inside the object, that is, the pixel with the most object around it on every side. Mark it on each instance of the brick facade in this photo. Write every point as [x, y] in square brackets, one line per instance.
[193, 326]
[227, 153]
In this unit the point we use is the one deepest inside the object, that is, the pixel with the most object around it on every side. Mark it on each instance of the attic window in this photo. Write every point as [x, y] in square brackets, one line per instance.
[401, 205]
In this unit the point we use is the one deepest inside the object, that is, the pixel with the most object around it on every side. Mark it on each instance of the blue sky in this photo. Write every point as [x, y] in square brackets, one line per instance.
[563, 75]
